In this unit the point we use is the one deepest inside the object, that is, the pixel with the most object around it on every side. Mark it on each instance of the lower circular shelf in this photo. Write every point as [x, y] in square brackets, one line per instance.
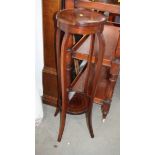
[78, 104]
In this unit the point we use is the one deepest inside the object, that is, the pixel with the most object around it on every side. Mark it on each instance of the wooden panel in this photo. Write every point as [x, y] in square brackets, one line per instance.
[49, 85]
[49, 10]
[50, 7]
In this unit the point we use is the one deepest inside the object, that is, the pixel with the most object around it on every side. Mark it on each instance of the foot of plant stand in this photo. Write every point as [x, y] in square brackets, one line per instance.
[57, 107]
[105, 109]
[56, 111]
[103, 120]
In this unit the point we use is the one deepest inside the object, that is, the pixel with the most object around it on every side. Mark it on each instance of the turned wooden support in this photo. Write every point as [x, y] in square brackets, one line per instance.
[114, 71]
[65, 78]
[58, 70]
[98, 66]
[69, 62]
[66, 60]
[58, 61]
[68, 43]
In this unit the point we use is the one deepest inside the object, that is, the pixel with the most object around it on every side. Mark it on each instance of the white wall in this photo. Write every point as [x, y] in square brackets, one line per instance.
[38, 61]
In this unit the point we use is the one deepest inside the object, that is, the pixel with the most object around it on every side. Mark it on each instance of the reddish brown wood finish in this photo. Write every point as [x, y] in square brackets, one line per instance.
[65, 79]
[50, 92]
[78, 21]
[49, 71]
[111, 35]
[98, 6]
[112, 50]
[69, 4]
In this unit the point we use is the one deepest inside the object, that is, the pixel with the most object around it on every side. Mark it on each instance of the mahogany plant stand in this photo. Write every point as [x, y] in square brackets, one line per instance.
[82, 22]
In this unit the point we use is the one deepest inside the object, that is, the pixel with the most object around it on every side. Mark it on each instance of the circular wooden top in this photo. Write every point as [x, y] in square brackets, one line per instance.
[80, 17]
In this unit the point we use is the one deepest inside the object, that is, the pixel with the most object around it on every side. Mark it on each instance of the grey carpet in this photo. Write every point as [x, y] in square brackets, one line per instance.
[76, 139]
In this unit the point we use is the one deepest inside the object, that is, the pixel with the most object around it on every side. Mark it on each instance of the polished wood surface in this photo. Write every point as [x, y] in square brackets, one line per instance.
[80, 17]
[49, 7]
[111, 35]
[66, 75]
[112, 48]
[110, 61]
[78, 21]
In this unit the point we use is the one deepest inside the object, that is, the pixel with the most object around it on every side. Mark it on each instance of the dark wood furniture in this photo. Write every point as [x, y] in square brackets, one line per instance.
[84, 22]
[50, 7]
[110, 68]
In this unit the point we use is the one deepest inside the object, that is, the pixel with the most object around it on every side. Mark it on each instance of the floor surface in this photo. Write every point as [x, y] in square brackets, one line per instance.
[76, 139]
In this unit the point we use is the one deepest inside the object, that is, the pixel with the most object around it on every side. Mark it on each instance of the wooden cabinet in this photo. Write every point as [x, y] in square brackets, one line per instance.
[49, 7]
